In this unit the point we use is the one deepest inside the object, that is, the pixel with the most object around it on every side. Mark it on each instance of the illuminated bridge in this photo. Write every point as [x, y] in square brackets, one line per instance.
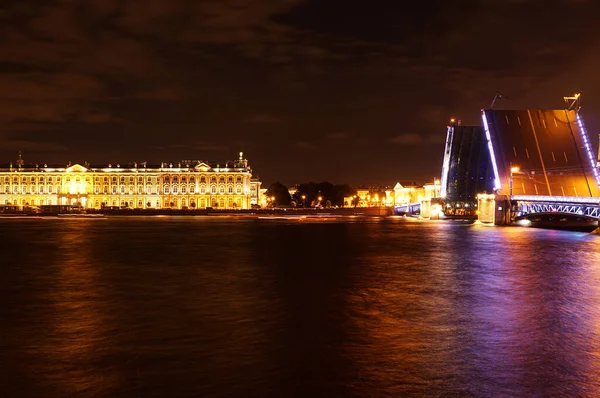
[537, 161]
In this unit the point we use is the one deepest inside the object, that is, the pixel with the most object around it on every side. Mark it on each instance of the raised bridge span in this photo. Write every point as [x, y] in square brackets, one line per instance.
[524, 161]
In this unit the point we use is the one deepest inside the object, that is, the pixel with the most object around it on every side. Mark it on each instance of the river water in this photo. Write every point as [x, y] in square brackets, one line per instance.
[217, 307]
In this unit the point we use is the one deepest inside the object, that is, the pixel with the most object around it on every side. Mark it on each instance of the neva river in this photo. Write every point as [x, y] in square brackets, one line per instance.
[215, 307]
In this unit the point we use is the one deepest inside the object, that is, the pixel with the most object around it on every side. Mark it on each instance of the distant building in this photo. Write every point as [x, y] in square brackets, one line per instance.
[186, 184]
[400, 194]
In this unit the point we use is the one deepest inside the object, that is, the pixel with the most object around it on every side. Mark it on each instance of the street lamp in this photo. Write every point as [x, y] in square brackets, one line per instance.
[303, 201]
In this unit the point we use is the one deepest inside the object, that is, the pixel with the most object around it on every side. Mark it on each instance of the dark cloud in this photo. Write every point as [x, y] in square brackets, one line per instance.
[416, 139]
[306, 145]
[281, 78]
[339, 135]
[263, 118]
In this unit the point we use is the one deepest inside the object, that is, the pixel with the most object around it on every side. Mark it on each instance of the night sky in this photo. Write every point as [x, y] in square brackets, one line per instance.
[352, 92]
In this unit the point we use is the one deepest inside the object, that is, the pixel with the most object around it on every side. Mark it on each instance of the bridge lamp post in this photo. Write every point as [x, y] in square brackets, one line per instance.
[513, 169]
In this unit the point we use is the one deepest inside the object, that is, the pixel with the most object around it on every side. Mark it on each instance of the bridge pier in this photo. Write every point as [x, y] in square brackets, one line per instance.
[494, 209]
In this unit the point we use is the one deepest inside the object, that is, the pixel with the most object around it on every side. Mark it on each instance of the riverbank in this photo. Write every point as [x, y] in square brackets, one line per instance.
[364, 212]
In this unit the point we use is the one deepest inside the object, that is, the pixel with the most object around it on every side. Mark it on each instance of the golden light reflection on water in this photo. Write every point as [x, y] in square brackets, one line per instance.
[476, 316]
[77, 337]
[377, 308]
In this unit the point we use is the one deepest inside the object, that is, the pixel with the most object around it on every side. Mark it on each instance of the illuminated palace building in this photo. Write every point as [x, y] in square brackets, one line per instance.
[188, 184]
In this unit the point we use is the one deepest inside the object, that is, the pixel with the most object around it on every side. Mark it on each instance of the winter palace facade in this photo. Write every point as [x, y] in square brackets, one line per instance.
[187, 184]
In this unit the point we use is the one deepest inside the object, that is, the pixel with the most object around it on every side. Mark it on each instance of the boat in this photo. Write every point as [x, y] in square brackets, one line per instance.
[560, 221]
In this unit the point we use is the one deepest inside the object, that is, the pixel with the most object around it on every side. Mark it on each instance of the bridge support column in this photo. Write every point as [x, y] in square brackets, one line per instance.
[486, 206]
[493, 209]
[502, 211]
[426, 209]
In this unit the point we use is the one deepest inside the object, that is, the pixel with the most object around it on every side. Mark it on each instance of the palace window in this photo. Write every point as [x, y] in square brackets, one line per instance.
[192, 180]
[15, 189]
[183, 180]
[238, 179]
[24, 180]
[221, 179]
[174, 188]
[15, 180]
[6, 180]
[166, 179]
[106, 180]
[230, 189]
[41, 180]
[175, 179]
[49, 188]
[122, 190]
[114, 180]
[230, 179]
[114, 190]
[213, 189]
[213, 179]
[202, 190]
[24, 188]
[105, 190]
[222, 190]
[192, 189]
[122, 180]
[166, 189]
[202, 180]
[96, 189]
[140, 189]
[239, 189]
[131, 180]
[32, 180]
[140, 180]
[183, 189]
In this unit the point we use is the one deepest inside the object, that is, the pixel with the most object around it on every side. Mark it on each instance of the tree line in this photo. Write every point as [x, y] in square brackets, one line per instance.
[310, 194]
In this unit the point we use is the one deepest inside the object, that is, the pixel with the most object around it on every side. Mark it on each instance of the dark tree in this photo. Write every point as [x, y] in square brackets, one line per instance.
[311, 191]
[280, 193]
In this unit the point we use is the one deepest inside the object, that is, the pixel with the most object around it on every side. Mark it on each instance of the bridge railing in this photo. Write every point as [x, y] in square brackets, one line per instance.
[569, 208]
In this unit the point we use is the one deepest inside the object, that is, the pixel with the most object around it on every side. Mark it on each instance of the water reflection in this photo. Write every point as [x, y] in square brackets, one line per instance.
[75, 343]
[205, 307]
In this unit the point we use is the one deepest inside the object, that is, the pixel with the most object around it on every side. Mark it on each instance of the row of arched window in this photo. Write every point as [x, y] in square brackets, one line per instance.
[122, 180]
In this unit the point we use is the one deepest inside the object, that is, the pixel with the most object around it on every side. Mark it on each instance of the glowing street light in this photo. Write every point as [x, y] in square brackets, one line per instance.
[513, 169]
